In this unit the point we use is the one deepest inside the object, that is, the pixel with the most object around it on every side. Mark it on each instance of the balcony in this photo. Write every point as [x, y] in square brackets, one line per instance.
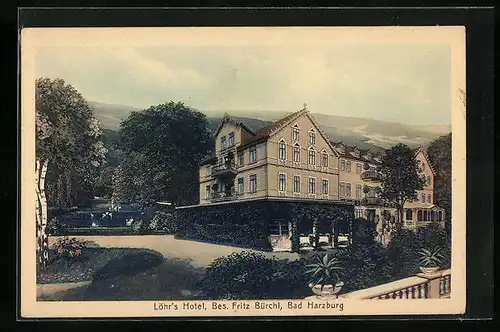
[224, 196]
[372, 201]
[371, 175]
[226, 169]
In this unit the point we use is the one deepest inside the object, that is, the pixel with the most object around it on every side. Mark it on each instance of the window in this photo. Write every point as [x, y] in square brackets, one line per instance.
[252, 156]
[348, 190]
[207, 192]
[296, 184]
[278, 227]
[324, 187]
[425, 216]
[358, 191]
[324, 160]
[342, 165]
[209, 170]
[295, 133]
[423, 167]
[240, 158]
[428, 180]
[253, 183]
[433, 216]
[296, 153]
[312, 157]
[358, 213]
[423, 198]
[358, 168]
[342, 189]
[221, 161]
[282, 150]
[409, 214]
[231, 138]
[348, 166]
[429, 200]
[241, 186]
[223, 142]
[312, 185]
[282, 182]
[419, 215]
[312, 138]
[440, 216]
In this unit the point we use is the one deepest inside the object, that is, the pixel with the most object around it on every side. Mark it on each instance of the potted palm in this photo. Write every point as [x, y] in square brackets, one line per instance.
[430, 260]
[324, 276]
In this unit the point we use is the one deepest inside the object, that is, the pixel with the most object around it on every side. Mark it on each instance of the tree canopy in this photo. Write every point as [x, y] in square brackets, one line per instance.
[401, 178]
[162, 146]
[69, 138]
[439, 152]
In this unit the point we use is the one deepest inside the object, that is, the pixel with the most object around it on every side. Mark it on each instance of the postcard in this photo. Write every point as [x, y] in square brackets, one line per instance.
[242, 171]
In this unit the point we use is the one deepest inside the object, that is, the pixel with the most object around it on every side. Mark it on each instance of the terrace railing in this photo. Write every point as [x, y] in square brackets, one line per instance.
[421, 286]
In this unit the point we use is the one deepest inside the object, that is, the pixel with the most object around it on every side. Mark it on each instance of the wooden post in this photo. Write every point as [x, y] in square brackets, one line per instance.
[315, 232]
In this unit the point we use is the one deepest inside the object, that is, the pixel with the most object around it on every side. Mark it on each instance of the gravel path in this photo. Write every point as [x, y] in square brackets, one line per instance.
[198, 253]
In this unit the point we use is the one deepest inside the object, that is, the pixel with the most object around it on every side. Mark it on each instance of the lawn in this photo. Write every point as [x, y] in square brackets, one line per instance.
[122, 274]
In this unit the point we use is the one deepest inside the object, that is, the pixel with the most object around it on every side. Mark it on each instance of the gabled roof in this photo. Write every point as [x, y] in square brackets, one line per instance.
[227, 118]
[265, 132]
[416, 151]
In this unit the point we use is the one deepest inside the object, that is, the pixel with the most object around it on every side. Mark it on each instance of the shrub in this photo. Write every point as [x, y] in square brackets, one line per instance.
[55, 227]
[163, 221]
[405, 246]
[140, 226]
[69, 248]
[244, 275]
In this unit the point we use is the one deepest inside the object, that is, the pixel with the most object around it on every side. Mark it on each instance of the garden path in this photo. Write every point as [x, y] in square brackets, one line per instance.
[199, 254]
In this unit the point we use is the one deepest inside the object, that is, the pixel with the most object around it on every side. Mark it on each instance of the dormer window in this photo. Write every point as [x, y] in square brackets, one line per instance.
[356, 153]
[223, 142]
[312, 137]
[231, 138]
[295, 133]
[369, 156]
[341, 148]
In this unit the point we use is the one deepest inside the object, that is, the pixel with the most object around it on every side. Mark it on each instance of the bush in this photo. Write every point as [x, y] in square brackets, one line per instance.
[163, 221]
[404, 248]
[55, 227]
[245, 275]
[141, 226]
[69, 249]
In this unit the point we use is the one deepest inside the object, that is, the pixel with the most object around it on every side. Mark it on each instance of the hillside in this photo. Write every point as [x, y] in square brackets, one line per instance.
[365, 133]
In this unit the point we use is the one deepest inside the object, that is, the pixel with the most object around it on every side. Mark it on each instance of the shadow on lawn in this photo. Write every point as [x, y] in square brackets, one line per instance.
[139, 276]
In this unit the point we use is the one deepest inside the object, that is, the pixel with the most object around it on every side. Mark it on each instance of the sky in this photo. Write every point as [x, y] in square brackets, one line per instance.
[399, 83]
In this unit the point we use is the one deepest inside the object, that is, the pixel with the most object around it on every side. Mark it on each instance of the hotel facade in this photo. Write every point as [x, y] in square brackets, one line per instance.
[293, 160]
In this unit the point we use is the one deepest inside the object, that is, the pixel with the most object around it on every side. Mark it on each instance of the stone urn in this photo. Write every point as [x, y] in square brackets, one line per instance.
[429, 271]
[327, 291]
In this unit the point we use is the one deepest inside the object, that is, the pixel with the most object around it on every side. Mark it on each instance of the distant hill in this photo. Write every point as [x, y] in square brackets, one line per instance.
[365, 133]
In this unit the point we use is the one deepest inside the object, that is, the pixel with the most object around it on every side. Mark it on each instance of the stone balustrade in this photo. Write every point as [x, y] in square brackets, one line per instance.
[437, 285]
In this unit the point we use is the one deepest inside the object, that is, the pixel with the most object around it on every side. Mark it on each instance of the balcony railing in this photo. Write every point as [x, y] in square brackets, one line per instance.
[372, 201]
[419, 287]
[224, 169]
[224, 196]
[372, 175]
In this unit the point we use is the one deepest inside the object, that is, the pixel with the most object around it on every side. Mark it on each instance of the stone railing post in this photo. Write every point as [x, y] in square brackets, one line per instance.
[433, 284]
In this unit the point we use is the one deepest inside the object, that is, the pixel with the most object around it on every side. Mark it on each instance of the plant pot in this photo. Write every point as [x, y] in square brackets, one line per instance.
[326, 291]
[429, 270]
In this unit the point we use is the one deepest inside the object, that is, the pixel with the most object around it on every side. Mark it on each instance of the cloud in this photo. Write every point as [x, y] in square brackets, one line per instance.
[394, 83]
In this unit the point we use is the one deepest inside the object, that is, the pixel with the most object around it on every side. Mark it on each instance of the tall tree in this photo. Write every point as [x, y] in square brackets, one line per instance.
[401, 179]
[68, 149]
[439, 152]
[163, 146]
